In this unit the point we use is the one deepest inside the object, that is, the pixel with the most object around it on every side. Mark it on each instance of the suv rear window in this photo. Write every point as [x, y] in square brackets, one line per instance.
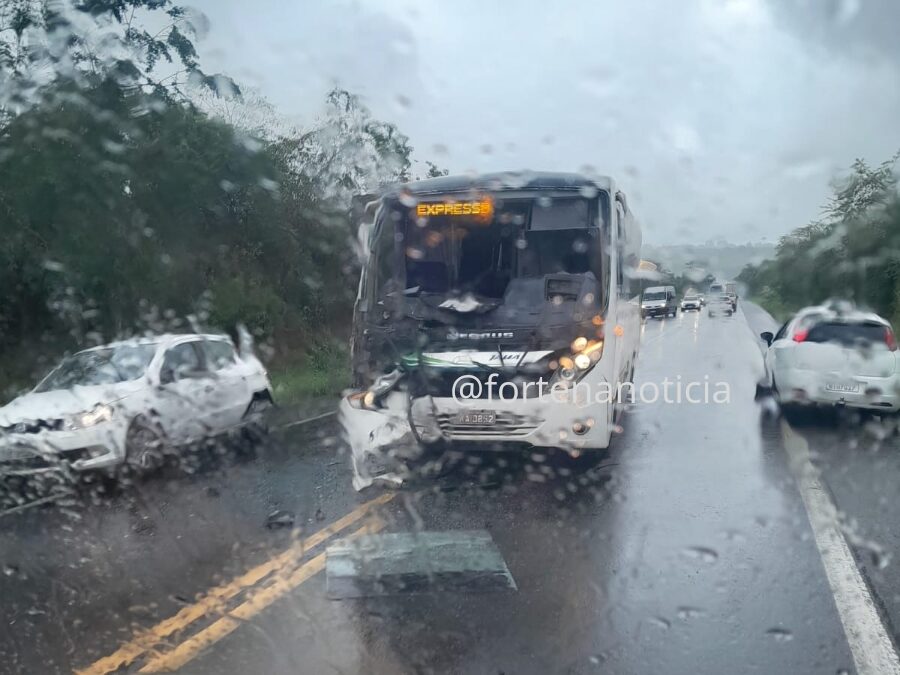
[848, 334]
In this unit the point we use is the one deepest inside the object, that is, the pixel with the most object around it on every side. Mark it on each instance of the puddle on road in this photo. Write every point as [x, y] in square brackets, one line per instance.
[406, 562]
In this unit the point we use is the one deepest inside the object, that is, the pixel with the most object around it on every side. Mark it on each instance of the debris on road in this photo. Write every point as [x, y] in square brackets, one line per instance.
[410, 562]
[279, 518]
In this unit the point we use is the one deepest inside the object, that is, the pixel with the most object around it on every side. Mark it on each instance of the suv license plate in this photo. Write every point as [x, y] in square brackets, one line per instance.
[475, 418]
[843, 388]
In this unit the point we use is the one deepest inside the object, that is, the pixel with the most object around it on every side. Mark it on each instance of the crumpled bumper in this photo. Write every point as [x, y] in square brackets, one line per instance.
[382, 441]
[53, 451]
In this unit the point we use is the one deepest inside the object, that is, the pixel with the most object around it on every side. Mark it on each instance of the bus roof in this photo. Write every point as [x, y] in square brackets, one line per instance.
[495, 182]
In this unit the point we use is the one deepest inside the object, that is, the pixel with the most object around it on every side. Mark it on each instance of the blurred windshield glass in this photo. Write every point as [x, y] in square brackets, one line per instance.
[395, 337]
[850, 334]
[100, 366]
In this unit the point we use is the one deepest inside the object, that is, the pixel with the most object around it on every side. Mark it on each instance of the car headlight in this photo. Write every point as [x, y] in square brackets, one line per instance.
[100, 413]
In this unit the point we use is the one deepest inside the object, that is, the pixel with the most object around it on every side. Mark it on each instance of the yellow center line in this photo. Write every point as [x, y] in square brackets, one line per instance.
[214, 600]
[256, 603]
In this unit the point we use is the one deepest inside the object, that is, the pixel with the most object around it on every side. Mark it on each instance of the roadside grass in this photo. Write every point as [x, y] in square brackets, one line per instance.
[770, 301]
[322, 374]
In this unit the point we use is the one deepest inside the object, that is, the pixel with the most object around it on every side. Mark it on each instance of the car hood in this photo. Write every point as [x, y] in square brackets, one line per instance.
[653, 303]
[56, 404]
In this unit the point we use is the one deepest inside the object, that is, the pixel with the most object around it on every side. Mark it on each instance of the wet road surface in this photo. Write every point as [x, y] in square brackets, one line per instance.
[686, 549]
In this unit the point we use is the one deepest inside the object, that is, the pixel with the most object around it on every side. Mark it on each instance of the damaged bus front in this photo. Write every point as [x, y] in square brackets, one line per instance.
[498, 310]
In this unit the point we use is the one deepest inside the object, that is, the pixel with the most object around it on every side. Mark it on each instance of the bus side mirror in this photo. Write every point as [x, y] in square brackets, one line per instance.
[767, 337]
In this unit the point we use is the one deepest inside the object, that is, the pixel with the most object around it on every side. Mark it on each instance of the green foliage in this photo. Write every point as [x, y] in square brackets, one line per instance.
[324, 372]
[127, 206]
[347, 153]
[87, 40]
[434, 171]
[122, 212]
[854, 253]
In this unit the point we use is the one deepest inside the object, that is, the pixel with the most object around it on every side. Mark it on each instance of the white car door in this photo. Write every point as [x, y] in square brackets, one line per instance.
[780, 342]
[231, 394]
[184, 392]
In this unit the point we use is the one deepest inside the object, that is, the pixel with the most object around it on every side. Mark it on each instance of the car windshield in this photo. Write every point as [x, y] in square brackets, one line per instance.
[388, 337]
[100, 366]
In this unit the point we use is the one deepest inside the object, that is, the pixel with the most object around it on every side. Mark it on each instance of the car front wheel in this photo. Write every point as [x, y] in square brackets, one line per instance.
[145, 448]
[256, 418]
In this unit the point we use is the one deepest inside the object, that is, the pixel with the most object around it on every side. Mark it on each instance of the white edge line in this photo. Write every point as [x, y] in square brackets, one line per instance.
[870, 643]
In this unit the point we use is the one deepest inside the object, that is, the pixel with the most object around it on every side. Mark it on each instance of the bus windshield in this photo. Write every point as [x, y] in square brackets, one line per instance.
[521, 238]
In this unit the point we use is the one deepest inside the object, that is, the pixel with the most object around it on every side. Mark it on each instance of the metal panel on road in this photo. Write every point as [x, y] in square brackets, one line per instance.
[409, 562]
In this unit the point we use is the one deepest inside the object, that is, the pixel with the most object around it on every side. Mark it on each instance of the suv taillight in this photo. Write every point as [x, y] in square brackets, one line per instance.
[890, 340]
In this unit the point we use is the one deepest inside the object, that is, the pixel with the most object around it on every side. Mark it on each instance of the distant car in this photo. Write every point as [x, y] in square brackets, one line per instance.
[831, 356]
[130, 402]
[732, 298]
[720, 304]
[690, 302]
[659, 301]
[731, 292]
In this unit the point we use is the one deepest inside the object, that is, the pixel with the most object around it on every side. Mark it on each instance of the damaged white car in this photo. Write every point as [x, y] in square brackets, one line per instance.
[131, 402]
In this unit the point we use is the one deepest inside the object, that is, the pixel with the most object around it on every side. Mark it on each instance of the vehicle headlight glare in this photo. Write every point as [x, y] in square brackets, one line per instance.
[368, 399]
[100, 413]
[582, 361]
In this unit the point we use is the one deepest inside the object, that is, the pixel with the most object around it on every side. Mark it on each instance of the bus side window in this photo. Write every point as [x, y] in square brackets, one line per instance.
[620, 246]
[604, 244]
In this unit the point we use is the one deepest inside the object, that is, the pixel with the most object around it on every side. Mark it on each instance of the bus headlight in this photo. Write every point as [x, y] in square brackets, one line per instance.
[368, 399]
[571, 369]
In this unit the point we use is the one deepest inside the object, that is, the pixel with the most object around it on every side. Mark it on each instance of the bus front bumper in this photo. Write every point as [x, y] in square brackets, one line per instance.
[382, 439]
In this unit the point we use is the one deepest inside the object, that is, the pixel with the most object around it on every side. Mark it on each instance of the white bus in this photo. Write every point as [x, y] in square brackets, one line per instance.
[498, 311]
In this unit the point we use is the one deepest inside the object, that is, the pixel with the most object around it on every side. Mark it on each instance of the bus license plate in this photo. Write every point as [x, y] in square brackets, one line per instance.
[475, 418]
[843, 388]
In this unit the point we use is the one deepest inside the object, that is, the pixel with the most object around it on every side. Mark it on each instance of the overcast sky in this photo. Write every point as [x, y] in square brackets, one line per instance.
[721, 119]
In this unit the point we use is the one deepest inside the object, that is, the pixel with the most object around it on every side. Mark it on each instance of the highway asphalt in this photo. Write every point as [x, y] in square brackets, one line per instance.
[701, 542]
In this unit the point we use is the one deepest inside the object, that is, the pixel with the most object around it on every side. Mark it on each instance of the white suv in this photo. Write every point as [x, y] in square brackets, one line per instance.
[131, 402]
[833, 355]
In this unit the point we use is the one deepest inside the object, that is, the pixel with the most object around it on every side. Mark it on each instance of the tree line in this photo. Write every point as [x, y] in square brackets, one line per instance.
[852, 252]
[130, 202]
